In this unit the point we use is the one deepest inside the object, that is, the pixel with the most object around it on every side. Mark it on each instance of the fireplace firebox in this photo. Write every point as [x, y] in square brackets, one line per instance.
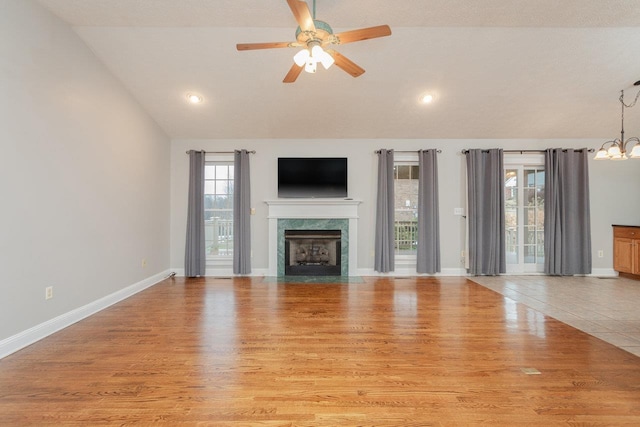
[312, 252]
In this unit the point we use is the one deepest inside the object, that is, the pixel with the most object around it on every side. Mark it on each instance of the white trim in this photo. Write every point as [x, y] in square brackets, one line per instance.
[404, 272]
[364, 272]
[406, 158]
[603, 272]
[526, 159]
[312, 209]
[219, 157]
[226, 272]
[25, 338]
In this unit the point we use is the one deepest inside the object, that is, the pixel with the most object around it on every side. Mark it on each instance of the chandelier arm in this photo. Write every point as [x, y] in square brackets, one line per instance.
[612, 142]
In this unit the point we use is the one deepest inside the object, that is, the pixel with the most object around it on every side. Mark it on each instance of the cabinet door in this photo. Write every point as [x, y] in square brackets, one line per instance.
[636, 256]
[623, 254]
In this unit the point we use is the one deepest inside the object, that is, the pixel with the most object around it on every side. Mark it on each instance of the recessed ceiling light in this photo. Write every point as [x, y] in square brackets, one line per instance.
[194, 98]
[427, 98]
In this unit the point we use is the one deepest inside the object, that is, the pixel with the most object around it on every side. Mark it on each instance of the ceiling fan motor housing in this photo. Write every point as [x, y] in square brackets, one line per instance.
[322, 33]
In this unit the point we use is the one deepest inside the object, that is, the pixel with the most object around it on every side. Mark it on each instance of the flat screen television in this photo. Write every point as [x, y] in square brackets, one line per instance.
[312, 177]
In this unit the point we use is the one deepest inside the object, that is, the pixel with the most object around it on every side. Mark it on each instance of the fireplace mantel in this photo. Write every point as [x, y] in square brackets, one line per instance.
[312, 209]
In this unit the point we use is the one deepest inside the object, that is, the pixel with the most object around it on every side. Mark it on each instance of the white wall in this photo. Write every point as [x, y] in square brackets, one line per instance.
[84, 176]
[612, 200]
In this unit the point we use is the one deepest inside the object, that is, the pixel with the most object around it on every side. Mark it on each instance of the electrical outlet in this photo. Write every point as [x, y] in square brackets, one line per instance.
[144, 262]
[48, 292]
[600, 253]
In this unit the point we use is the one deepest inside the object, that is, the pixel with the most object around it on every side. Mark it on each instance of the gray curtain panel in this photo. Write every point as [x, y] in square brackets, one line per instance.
[195, 258]
[241, 214]
[384, 240]
[428, 213]
[485, 188]
[567, 218]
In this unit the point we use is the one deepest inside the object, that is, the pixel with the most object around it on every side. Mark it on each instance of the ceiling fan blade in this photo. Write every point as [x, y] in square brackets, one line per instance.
[302, 14]
[293, 74]
[346, 64]
[274, 45]
[362, 34]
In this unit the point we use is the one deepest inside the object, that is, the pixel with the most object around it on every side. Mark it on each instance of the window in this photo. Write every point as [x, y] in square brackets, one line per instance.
[218, 208]
[524, 214]
[405, 176]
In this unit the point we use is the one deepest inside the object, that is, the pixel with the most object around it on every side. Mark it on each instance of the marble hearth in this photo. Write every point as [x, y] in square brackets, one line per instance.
[313, 214]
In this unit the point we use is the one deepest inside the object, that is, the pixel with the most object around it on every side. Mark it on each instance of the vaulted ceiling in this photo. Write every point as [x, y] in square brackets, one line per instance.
[497, 68]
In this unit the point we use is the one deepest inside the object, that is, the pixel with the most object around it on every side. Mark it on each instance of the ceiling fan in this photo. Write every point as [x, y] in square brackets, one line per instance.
[312, 36]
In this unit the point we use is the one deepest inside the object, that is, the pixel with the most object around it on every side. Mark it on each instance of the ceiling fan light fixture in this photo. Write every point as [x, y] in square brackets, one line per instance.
[323, 57]
[301, 57]
[310, 66]
[314, 34]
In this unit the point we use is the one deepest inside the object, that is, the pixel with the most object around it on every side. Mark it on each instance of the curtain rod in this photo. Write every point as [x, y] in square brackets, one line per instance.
[405, 151]
[221, 152]
[466, 151]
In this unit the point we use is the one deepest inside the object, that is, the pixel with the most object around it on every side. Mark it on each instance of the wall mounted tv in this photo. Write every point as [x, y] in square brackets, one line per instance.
[312, 177]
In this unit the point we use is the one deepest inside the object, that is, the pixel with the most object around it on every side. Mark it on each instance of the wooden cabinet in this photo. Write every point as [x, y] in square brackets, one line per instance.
[626, 250]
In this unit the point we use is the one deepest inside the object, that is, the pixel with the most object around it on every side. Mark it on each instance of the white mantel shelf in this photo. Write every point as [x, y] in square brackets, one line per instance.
[313, 209]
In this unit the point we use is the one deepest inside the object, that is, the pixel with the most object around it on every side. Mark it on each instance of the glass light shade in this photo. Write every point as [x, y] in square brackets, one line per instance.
[326, 60]
[601, 154]
[621, 156]
[301, 57]
[635, 153]
[614, 151]
[321, 56]
[310, 65]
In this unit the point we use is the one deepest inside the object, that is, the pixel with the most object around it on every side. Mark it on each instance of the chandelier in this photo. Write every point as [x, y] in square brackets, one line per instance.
[617, 149]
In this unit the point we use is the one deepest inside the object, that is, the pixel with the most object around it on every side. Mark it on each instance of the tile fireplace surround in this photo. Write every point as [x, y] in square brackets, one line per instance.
[306, 214]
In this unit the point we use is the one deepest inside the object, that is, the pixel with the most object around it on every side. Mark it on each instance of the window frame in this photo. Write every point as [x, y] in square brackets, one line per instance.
[404, 159]
[220, 159]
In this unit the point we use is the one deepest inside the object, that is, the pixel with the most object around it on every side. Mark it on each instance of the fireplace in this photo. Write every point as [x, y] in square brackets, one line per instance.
[312, 252]
[313, 215]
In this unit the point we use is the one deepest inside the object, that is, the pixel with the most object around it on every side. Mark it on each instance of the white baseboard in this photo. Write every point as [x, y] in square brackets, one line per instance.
[400, 272]
[224, 272]
[23, 339]
[604, 272]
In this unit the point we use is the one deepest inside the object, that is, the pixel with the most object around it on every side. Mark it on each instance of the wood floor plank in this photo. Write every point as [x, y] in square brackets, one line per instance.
[385, 352]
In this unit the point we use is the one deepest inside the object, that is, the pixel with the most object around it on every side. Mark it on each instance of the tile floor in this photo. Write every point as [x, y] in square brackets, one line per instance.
[607, 308]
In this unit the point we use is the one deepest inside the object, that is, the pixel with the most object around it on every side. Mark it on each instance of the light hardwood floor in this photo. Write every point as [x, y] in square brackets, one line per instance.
[385, 352]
